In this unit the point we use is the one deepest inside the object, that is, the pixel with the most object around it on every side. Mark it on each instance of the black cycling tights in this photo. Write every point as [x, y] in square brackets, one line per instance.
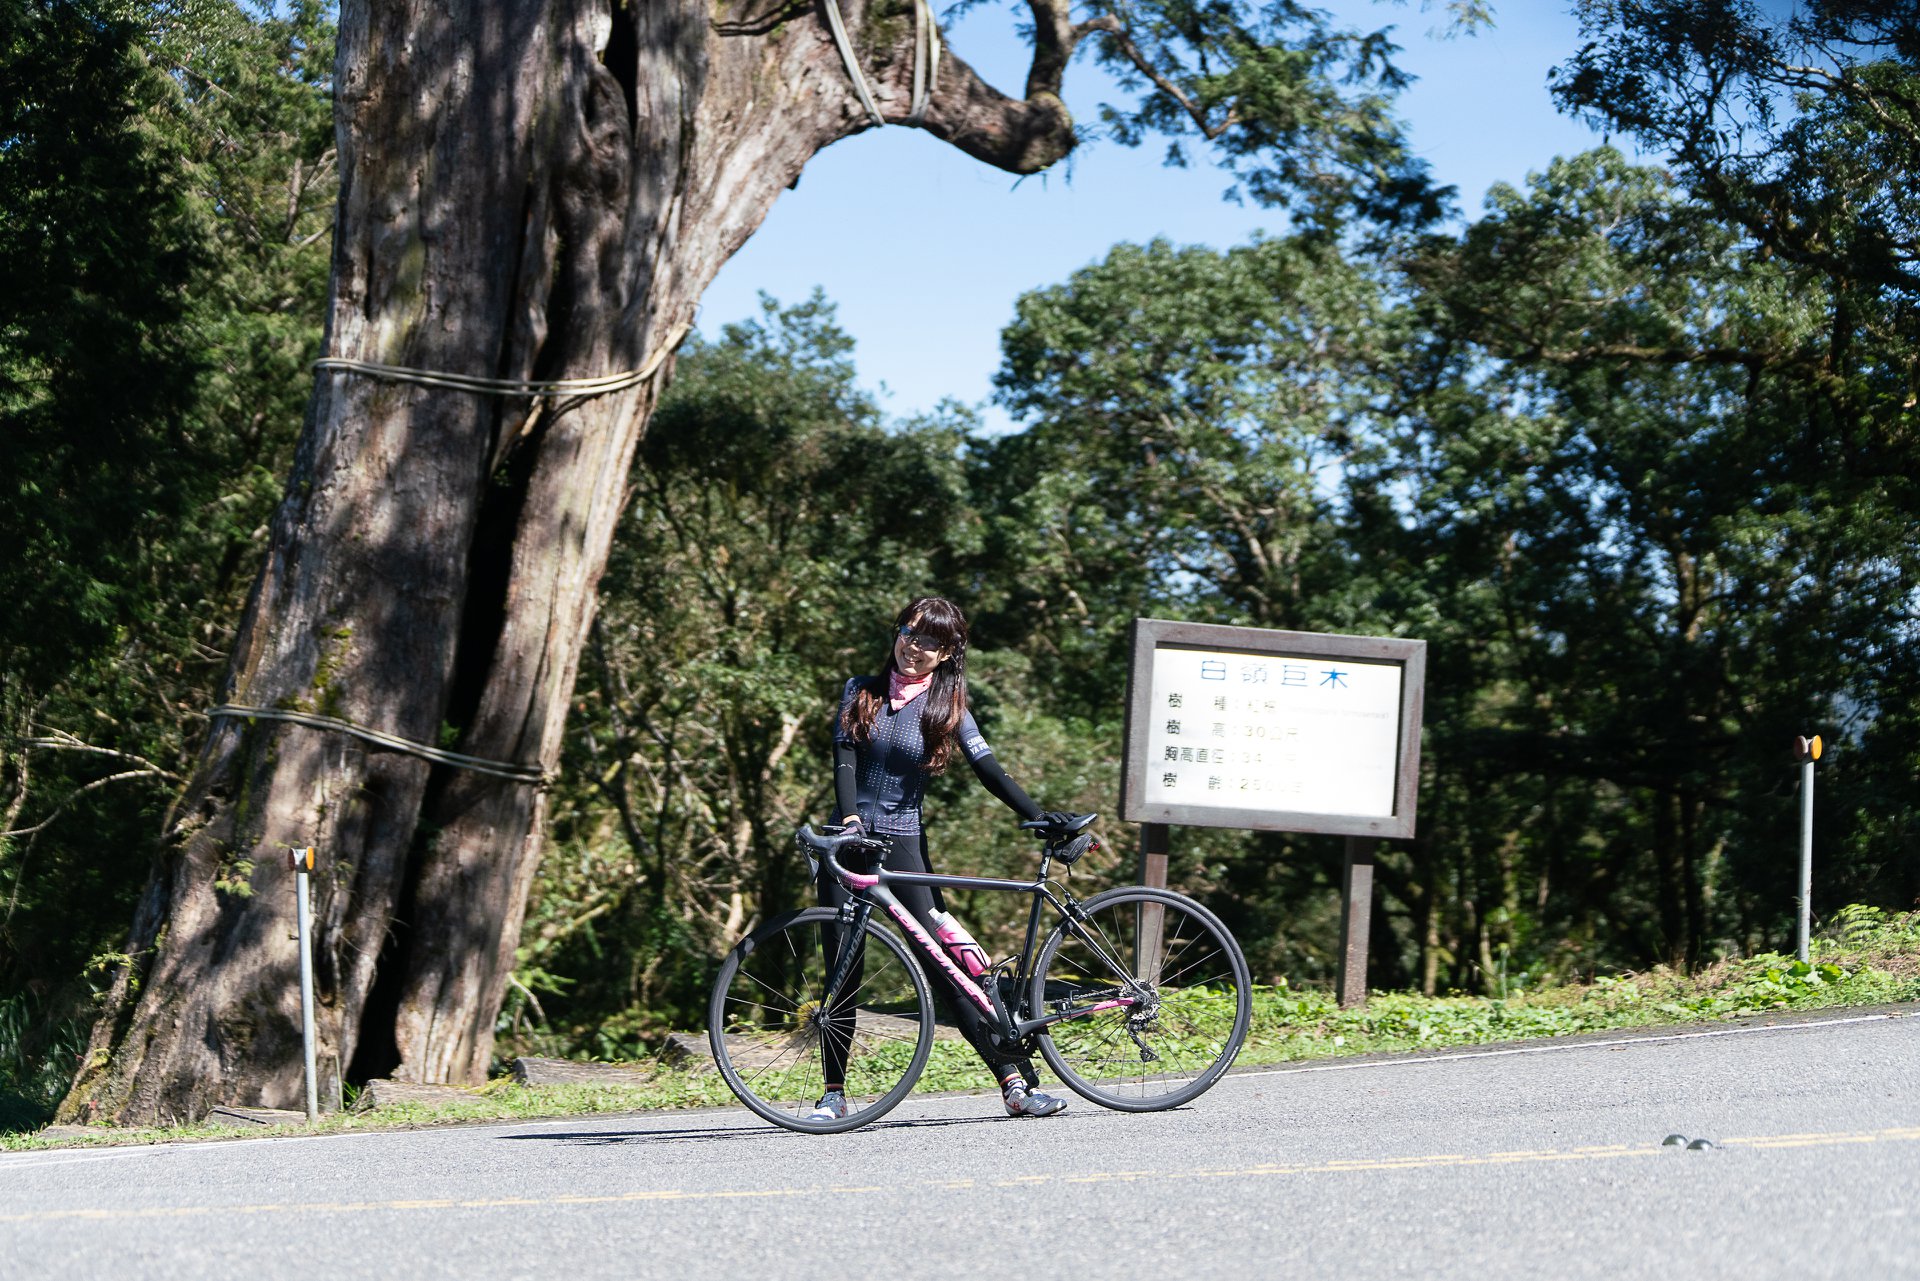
[908, 855]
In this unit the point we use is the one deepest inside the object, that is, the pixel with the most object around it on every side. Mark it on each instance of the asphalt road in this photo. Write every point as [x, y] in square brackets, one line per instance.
[1546, 1161]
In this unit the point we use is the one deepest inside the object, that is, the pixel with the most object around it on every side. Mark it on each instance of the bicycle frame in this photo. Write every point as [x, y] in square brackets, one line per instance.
[869, 890]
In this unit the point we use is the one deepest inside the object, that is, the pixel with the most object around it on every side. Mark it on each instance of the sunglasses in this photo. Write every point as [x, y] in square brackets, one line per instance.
[920, 640]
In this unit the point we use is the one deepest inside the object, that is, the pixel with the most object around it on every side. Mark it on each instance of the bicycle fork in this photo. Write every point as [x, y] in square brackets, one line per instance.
[853, 944]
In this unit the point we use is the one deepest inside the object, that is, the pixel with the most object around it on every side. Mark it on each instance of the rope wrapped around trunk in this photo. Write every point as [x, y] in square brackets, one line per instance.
[926, 60]
[379, 738]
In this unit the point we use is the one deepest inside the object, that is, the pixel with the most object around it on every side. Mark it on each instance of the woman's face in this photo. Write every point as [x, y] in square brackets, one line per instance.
[915, 654]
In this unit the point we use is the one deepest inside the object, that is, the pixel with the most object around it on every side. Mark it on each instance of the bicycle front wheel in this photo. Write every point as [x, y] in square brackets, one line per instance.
[776, 1039]
[1156, 995]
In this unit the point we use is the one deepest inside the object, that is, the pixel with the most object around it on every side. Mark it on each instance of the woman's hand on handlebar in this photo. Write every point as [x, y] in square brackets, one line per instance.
[1057, 823]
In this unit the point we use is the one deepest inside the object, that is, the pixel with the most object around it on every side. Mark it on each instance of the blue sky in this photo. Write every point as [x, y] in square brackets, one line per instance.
[925, 250]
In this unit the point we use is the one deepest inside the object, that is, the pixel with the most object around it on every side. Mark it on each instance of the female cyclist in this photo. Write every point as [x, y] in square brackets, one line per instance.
[894, 732]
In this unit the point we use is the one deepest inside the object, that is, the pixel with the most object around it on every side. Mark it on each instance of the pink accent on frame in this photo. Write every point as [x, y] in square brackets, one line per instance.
[960, 979]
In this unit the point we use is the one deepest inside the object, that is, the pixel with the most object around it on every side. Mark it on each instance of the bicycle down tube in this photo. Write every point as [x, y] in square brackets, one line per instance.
[871, 891]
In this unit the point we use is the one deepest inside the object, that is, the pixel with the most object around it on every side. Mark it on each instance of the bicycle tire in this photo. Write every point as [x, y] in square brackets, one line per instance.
[1190, 999]
[767, 1022]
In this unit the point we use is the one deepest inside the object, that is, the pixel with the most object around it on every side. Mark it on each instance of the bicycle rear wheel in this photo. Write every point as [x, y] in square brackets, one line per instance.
[1164, 997]
[772, 1032]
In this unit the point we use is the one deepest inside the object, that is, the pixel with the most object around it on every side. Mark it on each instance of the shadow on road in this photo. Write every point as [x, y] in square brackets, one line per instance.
[602, 1138]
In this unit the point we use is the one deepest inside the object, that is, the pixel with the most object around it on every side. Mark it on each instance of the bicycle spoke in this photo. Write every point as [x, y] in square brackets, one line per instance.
[759, 982]
[865, 983]
[1160, 1049]
[782, 1037]
[1213, 977]
[761, 1026]
[1169, 953]
[786, 1009]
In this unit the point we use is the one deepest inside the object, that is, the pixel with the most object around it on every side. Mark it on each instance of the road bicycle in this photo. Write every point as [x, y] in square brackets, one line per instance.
[1138, 998]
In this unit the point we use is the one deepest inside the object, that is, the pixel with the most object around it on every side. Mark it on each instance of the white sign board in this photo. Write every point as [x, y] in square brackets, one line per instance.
[1286, 731]
[1299, 735]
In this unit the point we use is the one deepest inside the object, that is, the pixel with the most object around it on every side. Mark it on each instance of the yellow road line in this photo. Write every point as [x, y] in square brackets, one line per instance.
[1344, 1165]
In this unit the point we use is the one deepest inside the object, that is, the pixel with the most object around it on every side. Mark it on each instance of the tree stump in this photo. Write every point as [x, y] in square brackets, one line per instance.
[382, 1093]
[253, 1118]
[530, 1071]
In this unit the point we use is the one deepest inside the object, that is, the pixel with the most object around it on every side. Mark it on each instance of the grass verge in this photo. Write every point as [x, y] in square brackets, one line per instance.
[1867, 957]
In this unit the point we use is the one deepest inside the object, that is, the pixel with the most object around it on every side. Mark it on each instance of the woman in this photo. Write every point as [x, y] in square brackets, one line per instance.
[894, 732]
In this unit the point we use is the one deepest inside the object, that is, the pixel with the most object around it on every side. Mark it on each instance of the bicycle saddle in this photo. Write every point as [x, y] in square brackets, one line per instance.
[1075, 823]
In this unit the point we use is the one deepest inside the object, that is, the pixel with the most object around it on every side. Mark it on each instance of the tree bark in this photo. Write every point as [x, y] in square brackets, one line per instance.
[527, 191]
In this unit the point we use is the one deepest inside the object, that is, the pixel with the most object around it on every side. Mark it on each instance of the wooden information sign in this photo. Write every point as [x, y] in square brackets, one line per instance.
[1275, 731]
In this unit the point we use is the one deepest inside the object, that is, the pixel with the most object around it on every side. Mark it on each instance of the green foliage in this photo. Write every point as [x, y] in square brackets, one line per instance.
[1801, 128]
[1868, 959]
[98, 241]
[1297, 108]
[38, 1055]
[1569, 448]
[1656, 571]
[174, 163]
[1185, 410]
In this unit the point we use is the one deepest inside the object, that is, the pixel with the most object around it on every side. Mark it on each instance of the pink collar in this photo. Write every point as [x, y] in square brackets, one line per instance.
[900, 691]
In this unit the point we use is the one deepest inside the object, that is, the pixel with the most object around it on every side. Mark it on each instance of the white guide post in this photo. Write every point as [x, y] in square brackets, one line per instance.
[1807, 750]
[302, 863]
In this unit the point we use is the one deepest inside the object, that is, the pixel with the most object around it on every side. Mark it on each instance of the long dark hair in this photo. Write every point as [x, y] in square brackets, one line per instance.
[946, 698]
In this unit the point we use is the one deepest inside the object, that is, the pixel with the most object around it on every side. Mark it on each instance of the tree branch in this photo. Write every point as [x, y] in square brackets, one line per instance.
[62, 741]
[82, 790]
[1018, 135]
[1144, 65]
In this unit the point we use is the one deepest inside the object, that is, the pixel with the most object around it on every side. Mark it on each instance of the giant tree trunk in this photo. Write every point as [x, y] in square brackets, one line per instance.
[527, 191]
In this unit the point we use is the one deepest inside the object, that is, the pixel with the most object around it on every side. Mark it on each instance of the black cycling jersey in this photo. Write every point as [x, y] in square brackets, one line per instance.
[884, 779]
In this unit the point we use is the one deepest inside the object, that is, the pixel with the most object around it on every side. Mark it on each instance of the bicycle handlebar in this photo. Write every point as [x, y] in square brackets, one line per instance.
[835, 842]
[1066, 842]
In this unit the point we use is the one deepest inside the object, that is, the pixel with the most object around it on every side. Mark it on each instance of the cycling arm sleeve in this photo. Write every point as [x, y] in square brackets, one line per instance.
[846, 763]
[987, 769]
[846, 781]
